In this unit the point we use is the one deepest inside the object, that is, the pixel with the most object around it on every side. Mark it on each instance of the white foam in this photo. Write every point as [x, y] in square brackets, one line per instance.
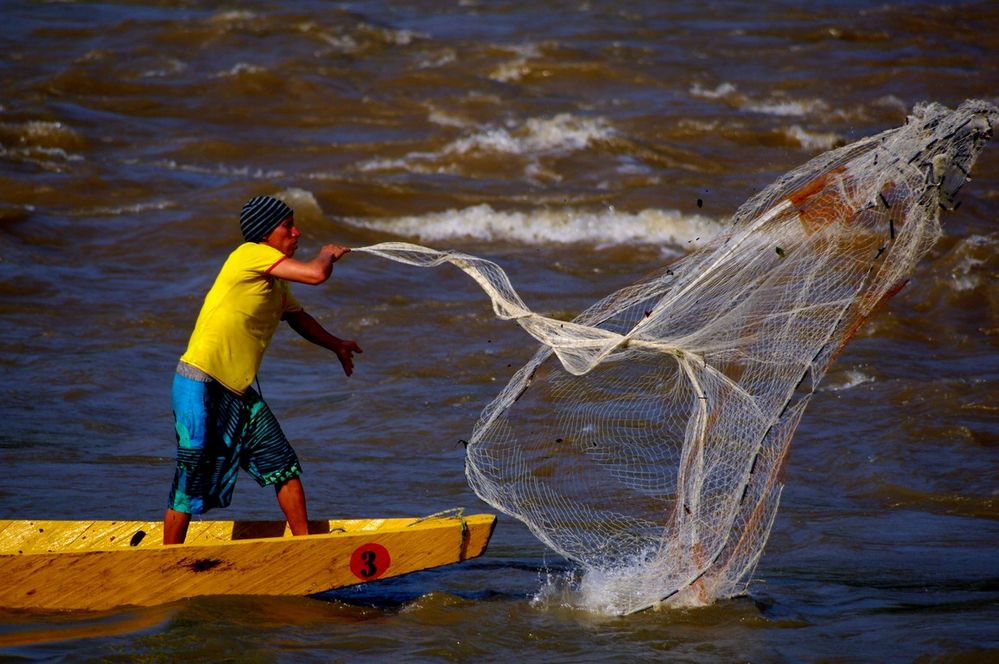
[343, 43]
[402, 37]
[41, 133]
[537, 136]
[609, 591]
[445, 119]
[232, 16]
[722, 90]
[304, 203]
[566, 226]
[785, 107]
[967, 273]
[514, 70]
[220, 169]
[135, 208]
[40, 129]
[892, 102]
[777, 105]
[600, 590]
[171, 66]
[240, 68]
[849, 379]
[445, 57]
[813, 140]
[49, 158]
[561, 133]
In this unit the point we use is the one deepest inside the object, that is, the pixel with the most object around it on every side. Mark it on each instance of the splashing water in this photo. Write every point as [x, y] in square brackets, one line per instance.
[669, 405]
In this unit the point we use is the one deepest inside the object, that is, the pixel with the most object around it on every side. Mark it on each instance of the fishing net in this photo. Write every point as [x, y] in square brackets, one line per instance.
[644, 439]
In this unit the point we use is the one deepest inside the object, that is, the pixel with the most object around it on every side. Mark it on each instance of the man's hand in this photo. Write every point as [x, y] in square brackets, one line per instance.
[333, 252]
[311, 330]
[345, 350]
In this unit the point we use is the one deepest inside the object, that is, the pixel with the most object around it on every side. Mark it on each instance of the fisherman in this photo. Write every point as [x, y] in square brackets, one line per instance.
[222, 423]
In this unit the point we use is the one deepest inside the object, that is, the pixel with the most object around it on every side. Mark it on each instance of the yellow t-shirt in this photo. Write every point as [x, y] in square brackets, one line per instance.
[240, 314]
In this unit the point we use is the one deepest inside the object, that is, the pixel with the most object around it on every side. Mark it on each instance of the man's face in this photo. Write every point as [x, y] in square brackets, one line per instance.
[284, 237]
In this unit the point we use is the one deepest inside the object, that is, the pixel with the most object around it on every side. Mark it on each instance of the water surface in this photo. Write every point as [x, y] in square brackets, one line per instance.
[580, 145]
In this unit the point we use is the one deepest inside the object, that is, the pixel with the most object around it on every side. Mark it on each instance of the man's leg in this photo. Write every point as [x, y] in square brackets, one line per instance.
[191, 403]
[291, 498]
[175, 526]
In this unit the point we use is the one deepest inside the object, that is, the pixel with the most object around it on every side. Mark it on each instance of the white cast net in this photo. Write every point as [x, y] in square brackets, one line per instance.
[644, 440]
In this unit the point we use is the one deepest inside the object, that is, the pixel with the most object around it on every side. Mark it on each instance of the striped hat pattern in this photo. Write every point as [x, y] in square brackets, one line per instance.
[261, 215]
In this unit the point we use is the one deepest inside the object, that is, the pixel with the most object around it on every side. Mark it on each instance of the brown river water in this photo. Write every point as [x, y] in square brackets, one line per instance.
[579, 145]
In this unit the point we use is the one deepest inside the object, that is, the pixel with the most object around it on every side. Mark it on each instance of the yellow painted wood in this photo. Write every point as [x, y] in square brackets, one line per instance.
[96, 565]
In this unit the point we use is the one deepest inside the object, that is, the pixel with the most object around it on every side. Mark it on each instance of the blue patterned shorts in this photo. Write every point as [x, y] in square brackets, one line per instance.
[219, 432]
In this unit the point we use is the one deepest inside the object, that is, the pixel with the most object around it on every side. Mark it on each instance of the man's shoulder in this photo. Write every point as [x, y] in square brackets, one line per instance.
[255, 249]
[253, 256]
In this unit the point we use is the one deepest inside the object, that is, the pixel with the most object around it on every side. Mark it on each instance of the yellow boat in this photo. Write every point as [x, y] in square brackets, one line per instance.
[96, 565]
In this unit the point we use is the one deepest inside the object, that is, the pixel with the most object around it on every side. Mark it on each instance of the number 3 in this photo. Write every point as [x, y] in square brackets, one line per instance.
[369, 569]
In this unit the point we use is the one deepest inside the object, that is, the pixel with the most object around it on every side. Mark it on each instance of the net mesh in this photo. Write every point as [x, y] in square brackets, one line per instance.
[645, 437]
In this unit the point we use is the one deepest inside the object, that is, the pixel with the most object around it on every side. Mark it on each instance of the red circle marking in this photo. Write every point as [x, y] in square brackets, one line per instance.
[369, 561]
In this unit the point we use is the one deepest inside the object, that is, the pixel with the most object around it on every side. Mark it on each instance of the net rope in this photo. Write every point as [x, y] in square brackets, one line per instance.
[645, 437]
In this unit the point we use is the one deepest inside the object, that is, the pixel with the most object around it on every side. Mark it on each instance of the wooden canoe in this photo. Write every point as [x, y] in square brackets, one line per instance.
[96, 565]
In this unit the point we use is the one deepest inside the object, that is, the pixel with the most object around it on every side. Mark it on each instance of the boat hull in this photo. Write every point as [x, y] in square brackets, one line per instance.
[96, 565]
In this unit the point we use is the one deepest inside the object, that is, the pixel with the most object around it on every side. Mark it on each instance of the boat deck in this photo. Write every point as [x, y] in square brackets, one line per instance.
[57, 536]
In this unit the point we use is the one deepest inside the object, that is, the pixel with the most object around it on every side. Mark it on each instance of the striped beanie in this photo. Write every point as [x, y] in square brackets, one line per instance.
[261, 215]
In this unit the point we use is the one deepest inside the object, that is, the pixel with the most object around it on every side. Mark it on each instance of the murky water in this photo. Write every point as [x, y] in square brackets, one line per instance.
[577, 144]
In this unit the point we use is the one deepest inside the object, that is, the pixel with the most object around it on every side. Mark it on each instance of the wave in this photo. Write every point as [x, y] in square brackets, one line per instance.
[40, 133]
[817, 141]
[514, 70]
[780, 107]
[117, 210]
[537, 136]
[839, 381]
[233, 16]
[775, 105]
[720, 91]
[238, 69]
[969, 267]
[47, 144]
[250, 172]
[665, 228]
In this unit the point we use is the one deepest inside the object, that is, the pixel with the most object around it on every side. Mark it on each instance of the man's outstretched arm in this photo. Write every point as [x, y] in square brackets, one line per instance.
[313, 272]
[310, 329]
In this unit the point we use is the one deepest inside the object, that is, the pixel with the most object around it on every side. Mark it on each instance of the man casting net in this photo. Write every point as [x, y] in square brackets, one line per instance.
[644, 439]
